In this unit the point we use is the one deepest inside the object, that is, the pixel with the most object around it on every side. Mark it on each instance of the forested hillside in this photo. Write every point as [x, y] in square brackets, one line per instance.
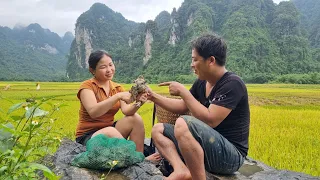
[267, 42]
[310, 18]
[33, 53]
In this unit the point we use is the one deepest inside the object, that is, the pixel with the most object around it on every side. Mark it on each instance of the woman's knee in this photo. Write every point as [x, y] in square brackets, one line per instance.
[109, 131]
[136, 119]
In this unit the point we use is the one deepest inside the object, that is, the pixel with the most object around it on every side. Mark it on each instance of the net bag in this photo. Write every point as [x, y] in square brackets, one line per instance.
[105, 153]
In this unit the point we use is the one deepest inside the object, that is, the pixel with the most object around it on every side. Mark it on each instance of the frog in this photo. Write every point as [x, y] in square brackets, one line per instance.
[139, 87]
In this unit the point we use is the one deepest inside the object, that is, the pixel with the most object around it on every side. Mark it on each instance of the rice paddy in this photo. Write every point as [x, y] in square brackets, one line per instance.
[285, 119]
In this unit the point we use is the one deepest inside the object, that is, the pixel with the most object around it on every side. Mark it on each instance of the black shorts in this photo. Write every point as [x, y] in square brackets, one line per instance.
[84, 138]
[220, 156]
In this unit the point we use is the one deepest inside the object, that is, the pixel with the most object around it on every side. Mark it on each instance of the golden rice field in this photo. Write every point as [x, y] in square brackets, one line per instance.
[285, 119]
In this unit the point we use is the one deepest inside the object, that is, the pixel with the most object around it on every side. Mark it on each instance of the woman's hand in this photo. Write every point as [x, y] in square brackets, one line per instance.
[125, 96]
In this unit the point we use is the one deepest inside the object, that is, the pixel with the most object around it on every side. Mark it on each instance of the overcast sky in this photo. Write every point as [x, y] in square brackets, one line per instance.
[60, 15]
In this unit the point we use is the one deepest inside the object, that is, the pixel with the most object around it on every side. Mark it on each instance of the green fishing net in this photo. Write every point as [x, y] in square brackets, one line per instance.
[105, 153]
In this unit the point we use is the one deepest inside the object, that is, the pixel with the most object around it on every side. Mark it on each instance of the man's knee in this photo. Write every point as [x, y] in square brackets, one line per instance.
[157, 130]
[180, 128]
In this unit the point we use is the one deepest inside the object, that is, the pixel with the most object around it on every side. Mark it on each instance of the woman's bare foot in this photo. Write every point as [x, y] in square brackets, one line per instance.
[155, 158]
[180, 174]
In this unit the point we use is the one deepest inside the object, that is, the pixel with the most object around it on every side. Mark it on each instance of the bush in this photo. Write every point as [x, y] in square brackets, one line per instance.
[26, 137]
[259, 78]
[311, 78]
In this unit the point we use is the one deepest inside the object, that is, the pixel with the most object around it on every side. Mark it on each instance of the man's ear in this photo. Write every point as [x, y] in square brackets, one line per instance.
[212, 60]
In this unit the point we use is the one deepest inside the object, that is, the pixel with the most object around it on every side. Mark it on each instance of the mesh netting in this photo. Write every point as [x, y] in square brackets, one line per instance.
[103, 152]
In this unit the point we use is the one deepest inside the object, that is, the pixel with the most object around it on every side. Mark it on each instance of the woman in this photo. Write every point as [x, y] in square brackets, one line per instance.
[101, 98]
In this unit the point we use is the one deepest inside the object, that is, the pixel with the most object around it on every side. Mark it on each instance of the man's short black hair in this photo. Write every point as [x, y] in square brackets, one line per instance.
[211, 45]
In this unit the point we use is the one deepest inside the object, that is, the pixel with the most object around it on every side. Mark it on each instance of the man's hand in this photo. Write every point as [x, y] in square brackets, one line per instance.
[150, 94]
[143, 97]
[175, 88]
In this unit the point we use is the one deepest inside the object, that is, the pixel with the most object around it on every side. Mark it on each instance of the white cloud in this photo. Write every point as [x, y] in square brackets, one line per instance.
[60, 15]
[278, 1]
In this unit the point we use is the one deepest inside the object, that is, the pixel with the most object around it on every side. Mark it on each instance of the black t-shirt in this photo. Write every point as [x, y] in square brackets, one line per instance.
[229, 92]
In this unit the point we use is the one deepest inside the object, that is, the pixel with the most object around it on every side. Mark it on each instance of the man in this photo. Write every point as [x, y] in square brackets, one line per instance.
[215, 138]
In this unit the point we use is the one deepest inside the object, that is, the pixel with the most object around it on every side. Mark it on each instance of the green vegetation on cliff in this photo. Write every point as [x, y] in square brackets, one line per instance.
[33, 54]
[266, 41]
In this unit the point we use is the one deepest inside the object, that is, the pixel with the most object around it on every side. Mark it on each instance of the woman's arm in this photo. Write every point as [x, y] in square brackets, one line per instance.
[130, 109]
[94, 108]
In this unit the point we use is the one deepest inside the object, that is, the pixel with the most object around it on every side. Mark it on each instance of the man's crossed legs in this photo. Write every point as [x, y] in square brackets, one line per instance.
[198, 145]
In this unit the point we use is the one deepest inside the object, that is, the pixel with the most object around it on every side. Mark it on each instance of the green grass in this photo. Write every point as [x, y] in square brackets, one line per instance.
[285, 119]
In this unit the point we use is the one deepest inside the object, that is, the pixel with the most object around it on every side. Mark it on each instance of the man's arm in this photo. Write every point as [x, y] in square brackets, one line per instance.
[212, 116]
[173, 105]
[226, 99]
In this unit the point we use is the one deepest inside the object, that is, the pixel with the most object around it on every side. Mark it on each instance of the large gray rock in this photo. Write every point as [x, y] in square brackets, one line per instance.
[60, 164]
[255, 170]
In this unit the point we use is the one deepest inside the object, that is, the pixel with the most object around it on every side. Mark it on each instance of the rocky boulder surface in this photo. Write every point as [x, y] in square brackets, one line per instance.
[60, 164]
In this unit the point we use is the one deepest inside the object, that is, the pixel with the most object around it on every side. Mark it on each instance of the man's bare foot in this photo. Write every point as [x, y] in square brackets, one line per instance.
[155, 158]
[180, 174]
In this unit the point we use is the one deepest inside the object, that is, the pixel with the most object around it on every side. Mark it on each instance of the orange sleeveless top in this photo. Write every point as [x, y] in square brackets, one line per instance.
[86, 123]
